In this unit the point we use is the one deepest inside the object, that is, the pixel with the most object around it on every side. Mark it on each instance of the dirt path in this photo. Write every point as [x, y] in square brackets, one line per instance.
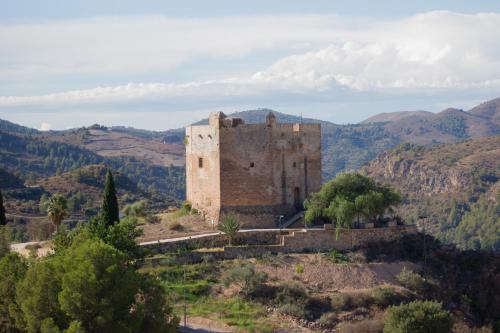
[204, 325]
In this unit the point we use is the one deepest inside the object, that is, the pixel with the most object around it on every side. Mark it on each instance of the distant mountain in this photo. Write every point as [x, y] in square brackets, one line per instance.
[7, 126]
[454, 186]
[259, 116]
[447, 126]
[489, 110]
[395, 116]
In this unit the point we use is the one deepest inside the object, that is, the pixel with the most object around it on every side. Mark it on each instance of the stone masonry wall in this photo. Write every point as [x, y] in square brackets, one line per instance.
[287, 241]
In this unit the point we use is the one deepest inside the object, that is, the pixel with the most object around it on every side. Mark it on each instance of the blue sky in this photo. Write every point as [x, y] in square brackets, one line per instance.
[163, 64]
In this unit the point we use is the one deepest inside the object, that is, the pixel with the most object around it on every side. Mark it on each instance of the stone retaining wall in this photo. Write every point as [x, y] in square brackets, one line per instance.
[271, 237]
[345, 239]
[256, 243]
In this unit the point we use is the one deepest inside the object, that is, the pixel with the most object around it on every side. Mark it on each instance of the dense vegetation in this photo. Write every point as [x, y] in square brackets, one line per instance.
[349, 197]
[348, 147]
[479, 228]
[25, 158]
[90, 284]
[452, 189]
[418, 317]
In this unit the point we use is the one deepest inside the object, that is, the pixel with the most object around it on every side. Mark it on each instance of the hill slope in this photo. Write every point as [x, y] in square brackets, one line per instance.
[449, 185]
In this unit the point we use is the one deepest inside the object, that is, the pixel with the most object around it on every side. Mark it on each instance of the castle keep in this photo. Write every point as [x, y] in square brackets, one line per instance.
[256, 171]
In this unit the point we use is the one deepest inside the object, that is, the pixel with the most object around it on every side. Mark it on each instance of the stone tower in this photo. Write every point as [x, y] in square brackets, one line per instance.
[256, 171]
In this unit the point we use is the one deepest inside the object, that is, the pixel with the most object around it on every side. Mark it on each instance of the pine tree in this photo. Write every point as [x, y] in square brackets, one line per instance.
[3, 219]
[110, 202]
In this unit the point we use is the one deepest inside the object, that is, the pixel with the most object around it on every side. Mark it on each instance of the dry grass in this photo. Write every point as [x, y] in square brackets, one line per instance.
[174, 224]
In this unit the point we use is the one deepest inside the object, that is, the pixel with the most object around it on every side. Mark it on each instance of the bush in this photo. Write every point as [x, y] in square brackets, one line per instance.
[246, 278]
[410, 279]
[299, 268]
[415, 282]
[384, 296]
[175, 226]
[350, 301]
[294, 310]
[328, 319]
[186, 207]
[418, 317]
[291, 293]
[336, 257]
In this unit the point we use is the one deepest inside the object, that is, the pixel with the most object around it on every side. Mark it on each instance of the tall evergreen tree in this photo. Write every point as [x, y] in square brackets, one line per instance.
[3, 219]
[110, 212]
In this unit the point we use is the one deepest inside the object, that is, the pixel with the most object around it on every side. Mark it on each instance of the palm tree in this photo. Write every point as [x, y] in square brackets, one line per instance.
[57, 210]
[230, 226]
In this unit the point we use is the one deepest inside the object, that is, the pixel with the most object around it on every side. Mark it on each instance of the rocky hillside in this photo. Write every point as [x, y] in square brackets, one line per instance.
[121, 141]
[448, 184]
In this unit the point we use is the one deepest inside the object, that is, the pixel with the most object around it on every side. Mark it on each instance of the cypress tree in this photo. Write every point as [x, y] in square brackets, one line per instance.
[3, 219]
[110, 212]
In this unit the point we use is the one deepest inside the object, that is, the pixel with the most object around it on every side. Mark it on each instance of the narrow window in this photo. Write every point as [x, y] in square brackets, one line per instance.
[294, 164]
[252, 164]
[200, 162]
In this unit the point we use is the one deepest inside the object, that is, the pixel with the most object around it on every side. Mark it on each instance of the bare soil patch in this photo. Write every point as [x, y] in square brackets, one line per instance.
[325, 276]
[172, 225]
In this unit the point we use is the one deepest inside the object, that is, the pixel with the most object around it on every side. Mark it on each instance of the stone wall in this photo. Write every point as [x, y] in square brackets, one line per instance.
[345, 239]
[251, 238]
[286, 241]
[203, 170]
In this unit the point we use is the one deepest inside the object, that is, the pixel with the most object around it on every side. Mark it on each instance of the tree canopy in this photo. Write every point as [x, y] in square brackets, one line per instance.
[349, 197]
[110, 212]
[90, 284]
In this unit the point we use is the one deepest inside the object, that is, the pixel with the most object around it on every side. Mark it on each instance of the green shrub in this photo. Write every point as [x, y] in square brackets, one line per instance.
[299, 268]
[246, 278]
[291, 293]
[416, 283]
[384, 296]
[328, 319]
[296, 310]
[186, 207]
[410, 279]
[336, 257]
[418, 317]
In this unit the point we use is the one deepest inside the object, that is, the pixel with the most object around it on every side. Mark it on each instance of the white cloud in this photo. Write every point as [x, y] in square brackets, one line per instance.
[128, 45]
[45, 126]
[428, 52]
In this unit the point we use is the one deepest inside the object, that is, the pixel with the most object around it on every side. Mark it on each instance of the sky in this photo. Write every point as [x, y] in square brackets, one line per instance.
[164, 64]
